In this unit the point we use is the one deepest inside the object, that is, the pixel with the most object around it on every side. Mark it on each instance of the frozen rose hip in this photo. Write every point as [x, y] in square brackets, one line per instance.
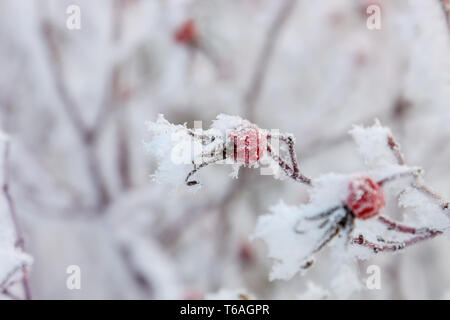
[366, 198]
[249, 145]
[186, 33]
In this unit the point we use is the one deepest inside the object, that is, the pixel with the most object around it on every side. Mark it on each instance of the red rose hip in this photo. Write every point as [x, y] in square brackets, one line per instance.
[249, 145]
[186, 33]
[366, 198]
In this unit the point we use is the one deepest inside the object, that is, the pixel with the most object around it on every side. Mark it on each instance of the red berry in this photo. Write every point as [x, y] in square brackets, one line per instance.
[187, 32]
[245, 253]
[249, 145]
[366, 198]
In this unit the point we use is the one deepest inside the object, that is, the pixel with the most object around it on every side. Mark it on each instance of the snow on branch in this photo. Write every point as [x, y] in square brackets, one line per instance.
[183, 152]
[345, 210]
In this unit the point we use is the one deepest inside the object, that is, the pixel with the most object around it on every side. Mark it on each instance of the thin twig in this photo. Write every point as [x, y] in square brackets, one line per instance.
[68, 103]
[391, 247]
[20, 242]
[6, 281]
[290, 142]
[431, 193]
[117, 96]
[87, 134]
[292, 173]
[417, 184]
[392, 225]
[395, 148]
[414, 173]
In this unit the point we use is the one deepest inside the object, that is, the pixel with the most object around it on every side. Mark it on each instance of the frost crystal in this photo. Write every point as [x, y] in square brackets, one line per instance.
[372, 144]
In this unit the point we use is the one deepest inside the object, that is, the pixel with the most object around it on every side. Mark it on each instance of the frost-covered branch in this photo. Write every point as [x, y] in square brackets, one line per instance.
[292, 170]
[395, 246]
[7, 282]
[230, 141]
[340, 205]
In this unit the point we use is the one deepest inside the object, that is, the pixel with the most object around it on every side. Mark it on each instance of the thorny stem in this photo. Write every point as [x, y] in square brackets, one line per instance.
[292, 172]
[290, 142]
[196, 169]
[391, 247]
[20, 242]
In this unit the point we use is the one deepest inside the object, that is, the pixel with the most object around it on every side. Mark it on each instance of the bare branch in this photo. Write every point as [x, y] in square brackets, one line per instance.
[68, 102]
[87, 135]
[392, 225]
[292, 172]
[395, 148]
[20, 242]
[431, 193]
